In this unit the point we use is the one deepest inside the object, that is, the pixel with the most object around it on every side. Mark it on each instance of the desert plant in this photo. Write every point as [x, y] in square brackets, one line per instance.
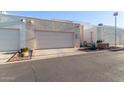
[81, 45]
[93, 46]
[23, 50]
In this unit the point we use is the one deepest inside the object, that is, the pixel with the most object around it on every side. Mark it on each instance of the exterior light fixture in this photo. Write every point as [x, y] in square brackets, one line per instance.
[31, 21]
[115, 14]
[23, 20]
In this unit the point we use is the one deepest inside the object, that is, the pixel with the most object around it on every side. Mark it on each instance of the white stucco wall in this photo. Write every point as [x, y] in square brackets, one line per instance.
[90, 33]
[108, 35]
[105, 33]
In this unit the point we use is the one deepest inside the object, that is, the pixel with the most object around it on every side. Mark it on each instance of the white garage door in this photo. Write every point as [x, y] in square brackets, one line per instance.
[45, 40]
[9, 39]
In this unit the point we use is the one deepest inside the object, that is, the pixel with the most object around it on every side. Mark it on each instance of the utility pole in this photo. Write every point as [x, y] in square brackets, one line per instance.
[115, 14]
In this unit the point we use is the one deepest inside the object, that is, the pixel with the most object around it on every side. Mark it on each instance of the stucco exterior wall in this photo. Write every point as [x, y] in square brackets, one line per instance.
[27, 30]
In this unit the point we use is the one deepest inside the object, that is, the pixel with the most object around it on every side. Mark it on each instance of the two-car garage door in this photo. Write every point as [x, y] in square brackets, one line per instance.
[9, 39]
[47, 40]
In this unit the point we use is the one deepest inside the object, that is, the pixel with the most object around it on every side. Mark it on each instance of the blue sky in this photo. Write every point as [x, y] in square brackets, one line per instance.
[93, 17]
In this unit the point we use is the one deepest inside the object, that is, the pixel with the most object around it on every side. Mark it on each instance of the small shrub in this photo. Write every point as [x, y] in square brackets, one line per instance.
[93, 46]
[99, 41]
[24, 50]
[81, 45]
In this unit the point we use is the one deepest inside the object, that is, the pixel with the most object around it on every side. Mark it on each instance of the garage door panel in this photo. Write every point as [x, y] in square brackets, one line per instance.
[9, 39]
[46, 40]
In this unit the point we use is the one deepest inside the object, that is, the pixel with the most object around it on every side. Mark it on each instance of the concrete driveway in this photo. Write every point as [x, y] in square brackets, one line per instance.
[4, 56]
[54, 53]
[97, 67]
[44, 54]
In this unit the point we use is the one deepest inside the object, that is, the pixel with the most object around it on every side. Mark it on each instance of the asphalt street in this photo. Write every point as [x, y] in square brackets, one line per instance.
[97, 67]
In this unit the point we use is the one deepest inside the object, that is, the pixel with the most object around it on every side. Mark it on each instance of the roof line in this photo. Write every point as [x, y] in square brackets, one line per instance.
[72, 22]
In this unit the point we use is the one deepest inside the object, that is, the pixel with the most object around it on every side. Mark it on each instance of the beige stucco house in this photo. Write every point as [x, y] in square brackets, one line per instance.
[18, 32]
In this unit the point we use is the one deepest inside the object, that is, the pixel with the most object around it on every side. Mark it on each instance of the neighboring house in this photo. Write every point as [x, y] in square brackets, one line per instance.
[18, 32]
[105, 33]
